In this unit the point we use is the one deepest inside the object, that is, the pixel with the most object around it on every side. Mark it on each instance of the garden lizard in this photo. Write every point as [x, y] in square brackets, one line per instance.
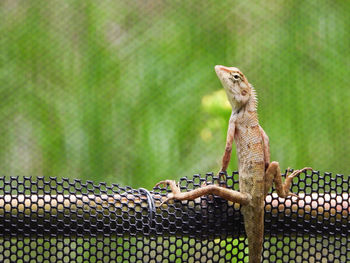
[256, 172]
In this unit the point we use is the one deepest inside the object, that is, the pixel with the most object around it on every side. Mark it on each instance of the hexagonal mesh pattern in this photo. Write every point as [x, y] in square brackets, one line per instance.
[57, 220]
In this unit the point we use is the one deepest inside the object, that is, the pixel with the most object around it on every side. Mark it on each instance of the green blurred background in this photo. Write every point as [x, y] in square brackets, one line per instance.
[125, 91]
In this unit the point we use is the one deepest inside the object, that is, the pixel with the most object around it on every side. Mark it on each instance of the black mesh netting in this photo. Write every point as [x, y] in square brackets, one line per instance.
[60, 220]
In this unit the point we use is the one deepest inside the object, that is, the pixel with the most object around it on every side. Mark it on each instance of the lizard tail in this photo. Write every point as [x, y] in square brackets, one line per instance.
[254, 226]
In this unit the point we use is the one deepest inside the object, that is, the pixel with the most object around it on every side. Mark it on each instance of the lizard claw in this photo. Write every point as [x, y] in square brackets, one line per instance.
[164, 183]
[160, 183]
[293, 195]
[222, 175]
[170, 197]
[174, 189]
[297, 172]
[289, 179]
[287, 172]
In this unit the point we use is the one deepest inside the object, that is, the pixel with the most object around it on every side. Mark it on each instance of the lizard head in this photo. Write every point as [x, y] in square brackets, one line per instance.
[237, 88]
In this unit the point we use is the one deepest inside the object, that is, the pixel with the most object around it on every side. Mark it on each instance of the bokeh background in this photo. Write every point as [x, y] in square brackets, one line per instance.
[125, 91]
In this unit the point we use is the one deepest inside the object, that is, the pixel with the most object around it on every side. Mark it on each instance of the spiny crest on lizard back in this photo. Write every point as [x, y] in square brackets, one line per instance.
[239, 92]
[254, 97]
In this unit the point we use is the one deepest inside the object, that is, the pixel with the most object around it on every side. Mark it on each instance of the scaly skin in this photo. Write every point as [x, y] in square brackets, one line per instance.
[256, 173]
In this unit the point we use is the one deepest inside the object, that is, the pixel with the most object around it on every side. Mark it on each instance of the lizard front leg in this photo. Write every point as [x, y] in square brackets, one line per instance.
[230, 195]
[273, 174]
[228, 149]
[266, 147]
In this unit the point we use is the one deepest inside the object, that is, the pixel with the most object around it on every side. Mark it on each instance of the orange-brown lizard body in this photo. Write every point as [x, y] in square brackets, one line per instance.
[256, 173]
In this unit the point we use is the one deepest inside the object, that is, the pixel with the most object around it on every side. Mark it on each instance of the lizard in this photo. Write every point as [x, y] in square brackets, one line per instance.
[256, 172]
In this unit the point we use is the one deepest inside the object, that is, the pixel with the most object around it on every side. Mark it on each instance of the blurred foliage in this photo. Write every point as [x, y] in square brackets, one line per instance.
[125, 91]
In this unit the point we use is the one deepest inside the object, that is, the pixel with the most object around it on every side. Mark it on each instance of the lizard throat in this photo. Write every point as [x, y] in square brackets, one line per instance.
[250, 106]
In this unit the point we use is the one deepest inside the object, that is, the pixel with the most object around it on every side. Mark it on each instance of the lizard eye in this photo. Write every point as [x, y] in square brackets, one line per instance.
[236, 76]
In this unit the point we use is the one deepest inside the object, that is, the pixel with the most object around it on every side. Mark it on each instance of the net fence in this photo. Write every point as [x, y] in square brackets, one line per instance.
[61, 220]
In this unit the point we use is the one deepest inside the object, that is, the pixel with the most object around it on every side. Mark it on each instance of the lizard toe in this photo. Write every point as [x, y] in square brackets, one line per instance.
[293, 195]
[222, 175]
[170, 197]
[164, 183]
[297, 172]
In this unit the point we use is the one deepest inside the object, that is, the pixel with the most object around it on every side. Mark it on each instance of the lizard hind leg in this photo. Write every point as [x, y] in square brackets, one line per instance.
[228, 194]
[283, 189]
